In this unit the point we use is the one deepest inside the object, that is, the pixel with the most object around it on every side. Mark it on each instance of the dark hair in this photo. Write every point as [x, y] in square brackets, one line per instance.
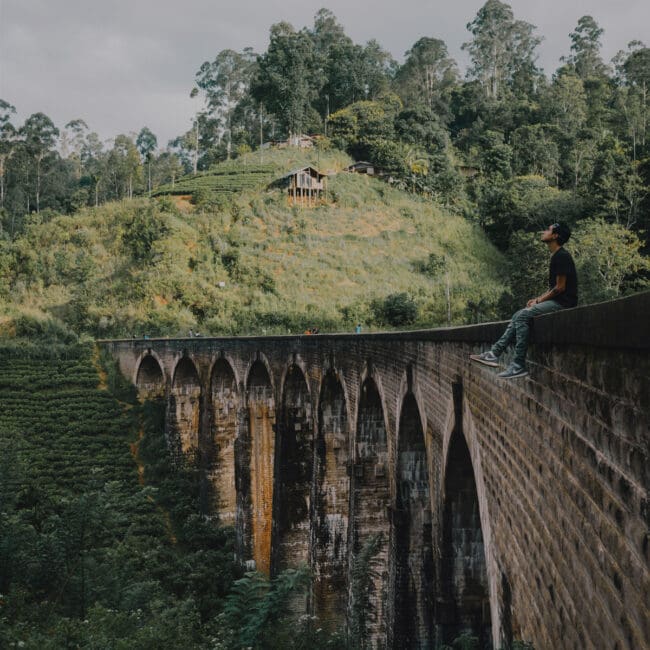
[562, 231]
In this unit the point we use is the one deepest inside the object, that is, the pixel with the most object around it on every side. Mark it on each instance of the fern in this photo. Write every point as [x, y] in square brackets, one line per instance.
[362, 580]
[257, 608]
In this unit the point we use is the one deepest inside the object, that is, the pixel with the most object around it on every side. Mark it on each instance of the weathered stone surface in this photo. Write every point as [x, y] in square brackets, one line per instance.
[521, 506]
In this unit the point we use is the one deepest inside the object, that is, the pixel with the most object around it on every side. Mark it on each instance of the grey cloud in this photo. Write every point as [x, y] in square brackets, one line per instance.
[123, 64]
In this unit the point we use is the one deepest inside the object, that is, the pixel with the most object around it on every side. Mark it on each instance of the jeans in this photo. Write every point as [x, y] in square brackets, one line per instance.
[518, 329]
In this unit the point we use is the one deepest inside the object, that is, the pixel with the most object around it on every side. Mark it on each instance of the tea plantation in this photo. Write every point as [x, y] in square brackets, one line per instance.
[223, 179]
[93, 552]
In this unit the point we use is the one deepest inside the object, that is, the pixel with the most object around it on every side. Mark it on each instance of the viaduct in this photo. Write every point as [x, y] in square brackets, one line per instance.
[517, 509]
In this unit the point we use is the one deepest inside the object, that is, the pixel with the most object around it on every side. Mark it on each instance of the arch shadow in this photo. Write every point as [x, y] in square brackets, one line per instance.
[464, 595]
[412, 534]
[293, 473]
[370, 506]
[331, 503]
[184, 411]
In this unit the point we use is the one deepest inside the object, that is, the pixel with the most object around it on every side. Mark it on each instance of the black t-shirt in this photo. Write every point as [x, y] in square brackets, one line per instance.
[562, 264]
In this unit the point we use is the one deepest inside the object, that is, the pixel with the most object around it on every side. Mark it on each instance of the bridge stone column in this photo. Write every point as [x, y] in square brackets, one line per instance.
[260, 448]
[224, 409]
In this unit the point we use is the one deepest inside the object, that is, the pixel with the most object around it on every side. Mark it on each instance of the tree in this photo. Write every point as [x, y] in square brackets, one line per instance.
[166, 168]
[39, 134]
[396, 309]
[360, 125]
[427, 76]
[287, 79]
[226, 81]
[637, 71]
[346, 80]
[379, 69]
[146, 142]
[502, 50]
[608, 260]
[633, 68]
[564, 105]
[618, 190]
[7, 143]
[142, 231]
[585, 47]
[72, 143]
[92, 160]
[327, 33]
[419, 124]
[122, 165]
[495, 158]
[535, 151]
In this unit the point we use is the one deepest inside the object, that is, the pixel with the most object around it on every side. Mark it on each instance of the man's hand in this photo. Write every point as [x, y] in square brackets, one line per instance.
[560, 287]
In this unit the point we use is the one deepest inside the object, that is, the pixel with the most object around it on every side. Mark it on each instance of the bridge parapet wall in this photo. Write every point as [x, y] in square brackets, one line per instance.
[559, 458]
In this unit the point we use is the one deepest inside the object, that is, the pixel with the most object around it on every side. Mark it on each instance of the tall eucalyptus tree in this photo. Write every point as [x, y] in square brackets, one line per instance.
[502, 50]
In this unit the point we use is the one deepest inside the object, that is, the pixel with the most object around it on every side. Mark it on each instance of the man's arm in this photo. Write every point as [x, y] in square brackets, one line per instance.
[560, 287]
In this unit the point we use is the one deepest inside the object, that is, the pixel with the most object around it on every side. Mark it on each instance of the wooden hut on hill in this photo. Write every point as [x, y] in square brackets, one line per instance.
[305, 186]
[361, 167]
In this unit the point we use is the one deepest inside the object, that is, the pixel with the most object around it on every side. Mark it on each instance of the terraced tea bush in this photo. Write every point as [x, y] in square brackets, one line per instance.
[95, 535]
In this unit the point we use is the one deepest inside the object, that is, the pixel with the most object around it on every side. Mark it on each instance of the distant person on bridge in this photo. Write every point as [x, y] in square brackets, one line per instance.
[562, 293]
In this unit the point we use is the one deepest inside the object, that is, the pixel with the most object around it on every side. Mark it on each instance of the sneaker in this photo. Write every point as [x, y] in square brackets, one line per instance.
[513, 371]
[486, 358]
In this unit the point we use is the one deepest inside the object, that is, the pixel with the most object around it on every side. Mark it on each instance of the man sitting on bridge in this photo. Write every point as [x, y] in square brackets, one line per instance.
[562, 293]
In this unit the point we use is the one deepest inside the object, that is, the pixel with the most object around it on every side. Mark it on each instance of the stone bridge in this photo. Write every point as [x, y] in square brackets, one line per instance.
[515, 509]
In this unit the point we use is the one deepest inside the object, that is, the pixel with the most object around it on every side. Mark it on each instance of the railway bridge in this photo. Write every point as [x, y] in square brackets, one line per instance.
[517, 509]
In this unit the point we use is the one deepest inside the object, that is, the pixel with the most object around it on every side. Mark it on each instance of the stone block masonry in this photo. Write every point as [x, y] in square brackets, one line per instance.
[519, 509]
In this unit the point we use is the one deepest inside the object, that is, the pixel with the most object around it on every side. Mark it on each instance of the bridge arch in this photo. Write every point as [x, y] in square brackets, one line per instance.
[149, 375]
[409, 384]
[293, 473]
[254, 364]
[466, 594]
[330, 528]
[224, 410]
[185, 406]
[412, 533]
[255, 481]
[371, 497]
[295, 363]
[369, 372]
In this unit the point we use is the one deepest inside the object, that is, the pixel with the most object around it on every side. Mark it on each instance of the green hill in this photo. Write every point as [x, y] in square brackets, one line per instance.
[250, 263]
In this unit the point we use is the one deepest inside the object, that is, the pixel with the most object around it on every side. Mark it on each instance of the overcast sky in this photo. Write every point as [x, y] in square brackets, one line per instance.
[124, 64]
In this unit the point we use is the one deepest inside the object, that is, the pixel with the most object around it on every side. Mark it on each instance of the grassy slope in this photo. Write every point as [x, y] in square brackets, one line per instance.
[283, 267]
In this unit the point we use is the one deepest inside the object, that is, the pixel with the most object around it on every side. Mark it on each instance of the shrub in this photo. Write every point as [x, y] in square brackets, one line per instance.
[142, 231]
[397, 309]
